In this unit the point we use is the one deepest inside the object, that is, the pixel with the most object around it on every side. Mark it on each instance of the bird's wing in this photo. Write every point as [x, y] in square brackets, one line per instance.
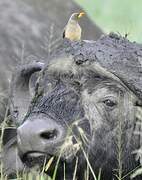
[64, 32]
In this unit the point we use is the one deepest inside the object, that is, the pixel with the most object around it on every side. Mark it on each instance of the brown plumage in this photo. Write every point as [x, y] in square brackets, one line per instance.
[73, 30]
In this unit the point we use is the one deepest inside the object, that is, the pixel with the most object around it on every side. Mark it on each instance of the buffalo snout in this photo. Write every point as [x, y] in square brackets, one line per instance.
[39, 135]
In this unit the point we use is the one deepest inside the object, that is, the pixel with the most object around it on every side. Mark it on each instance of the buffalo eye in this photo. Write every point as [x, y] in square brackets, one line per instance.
[109, 103]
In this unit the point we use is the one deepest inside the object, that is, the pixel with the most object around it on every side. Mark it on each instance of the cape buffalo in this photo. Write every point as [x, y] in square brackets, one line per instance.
[80, 108]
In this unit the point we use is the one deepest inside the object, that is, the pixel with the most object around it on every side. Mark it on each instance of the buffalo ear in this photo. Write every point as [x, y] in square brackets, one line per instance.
[20, 95]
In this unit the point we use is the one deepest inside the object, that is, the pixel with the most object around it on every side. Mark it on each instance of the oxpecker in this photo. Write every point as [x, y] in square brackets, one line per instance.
[73, 30]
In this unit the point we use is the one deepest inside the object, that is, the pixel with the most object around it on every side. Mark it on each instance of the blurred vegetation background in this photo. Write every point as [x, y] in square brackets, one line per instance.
[122, 16]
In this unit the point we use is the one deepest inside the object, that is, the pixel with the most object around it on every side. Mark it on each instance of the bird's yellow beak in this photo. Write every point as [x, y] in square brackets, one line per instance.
[81, 14]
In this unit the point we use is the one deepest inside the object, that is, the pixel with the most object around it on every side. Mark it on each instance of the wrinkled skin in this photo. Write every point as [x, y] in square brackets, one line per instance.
[73, 97]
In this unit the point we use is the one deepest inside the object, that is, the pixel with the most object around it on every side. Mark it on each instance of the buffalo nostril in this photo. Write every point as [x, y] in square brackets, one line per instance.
[48, 135]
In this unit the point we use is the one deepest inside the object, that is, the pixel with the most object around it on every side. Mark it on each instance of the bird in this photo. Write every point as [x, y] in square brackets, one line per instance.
[72, 30]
